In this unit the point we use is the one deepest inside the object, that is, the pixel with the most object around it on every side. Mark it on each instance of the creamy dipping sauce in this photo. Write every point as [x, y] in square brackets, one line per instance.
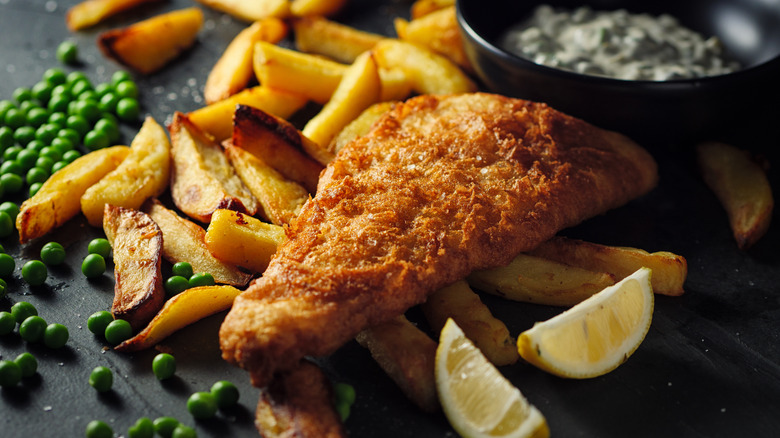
[617, 44]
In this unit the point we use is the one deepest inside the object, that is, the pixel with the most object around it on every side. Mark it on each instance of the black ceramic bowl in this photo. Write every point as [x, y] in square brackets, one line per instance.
[689, 109]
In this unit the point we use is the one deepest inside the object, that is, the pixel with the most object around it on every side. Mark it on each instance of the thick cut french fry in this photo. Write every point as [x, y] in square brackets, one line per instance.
[91, 12]
[280, 199]
[669, 270]
[429, 72]
[741, 186]
[202, 179]
[185, 241]
[143, 174]
[137, 244]
[57, 201]
[298, 402]
[303, 8]
[233, 70]
[180, 311]
[148, 45]
[217, 119]
[250, 10]
[437, 31]
[460, 303]
[396, 84]
[424, 7]
[242, 240]
[407, 355]
[334, 40]
[359, 88]
[359, 126]
[538, 280]
[314, 77]
[278, 143]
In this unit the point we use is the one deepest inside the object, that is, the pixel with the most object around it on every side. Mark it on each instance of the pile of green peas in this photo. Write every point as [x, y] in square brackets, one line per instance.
[47, 126]
[183, 278]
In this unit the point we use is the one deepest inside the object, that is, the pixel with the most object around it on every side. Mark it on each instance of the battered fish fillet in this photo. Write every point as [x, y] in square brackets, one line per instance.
[441, 186]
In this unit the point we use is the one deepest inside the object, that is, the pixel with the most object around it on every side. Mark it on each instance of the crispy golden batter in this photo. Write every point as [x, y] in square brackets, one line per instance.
[441, 186]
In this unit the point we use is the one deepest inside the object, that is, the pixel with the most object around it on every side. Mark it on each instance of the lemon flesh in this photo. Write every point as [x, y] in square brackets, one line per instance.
[476, 398]
[595, 336]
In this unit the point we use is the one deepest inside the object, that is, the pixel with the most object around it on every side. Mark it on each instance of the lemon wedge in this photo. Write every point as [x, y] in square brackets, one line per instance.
[476, 398]
[595, 336]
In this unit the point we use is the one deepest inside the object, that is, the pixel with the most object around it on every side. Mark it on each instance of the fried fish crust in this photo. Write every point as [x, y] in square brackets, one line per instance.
[441, 186]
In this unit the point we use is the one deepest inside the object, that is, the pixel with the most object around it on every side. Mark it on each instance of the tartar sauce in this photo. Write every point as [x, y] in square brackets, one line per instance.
[617, 44]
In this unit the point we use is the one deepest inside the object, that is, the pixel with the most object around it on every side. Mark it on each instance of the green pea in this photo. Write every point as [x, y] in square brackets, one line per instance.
[24, 135]
[93, 266]
[201, 279]
[3, 289]
[15, 118]
[58, 103]
[71, 156]
[128, 109]
[58, 119]
[95, 140]
[54, 76]
[175, 285]
[27, 105]
[26, 158]
[99, 246]
[35, 146]
[11, 166]
[98, 429]
[46, 133]
[55, 336]
[77, 123]
[32, 328]
[34, 187]
[182, 269]
[98, 321]
[44, 163]
[37, 117]
[36, 175]
[127, 89]
[108, 127]
[108, 102]
[12, 183]
[143, 428]
[23, 310]
[7, 264]
[184, 431]
[6, 225]
[34, 272]
[225, 393]
[117, 331]
[76, 76]
[27, 363]
[71, 134]
[7, 323]
[79, 87]
[10, 208]
[41, 91]
[104, 88]
[59, 145]
[6, 137]
[164, 366]
[10, 373]
[68, 52]
[22, 94]
[202, 405]
[58, 166]
[120, 76]
[101, 378]
[88, 109]
[52, 253]
[164, 426]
